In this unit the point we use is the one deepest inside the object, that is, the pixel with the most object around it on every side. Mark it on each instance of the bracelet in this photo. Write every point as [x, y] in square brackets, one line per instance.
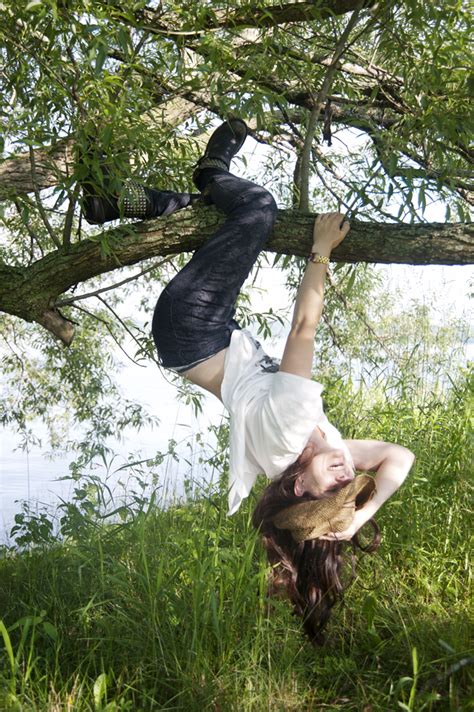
[318, 259]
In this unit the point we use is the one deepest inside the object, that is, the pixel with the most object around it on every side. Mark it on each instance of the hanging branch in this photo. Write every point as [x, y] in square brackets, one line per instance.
[68, 222]
[121, 321]
[34, 239]
[79, 297]
[111, 332]
[39, 204]
[318, 157]
[315, 111]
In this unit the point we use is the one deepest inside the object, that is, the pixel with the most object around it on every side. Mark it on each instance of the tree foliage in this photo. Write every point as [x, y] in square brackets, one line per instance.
[137, 85]
[82, 80]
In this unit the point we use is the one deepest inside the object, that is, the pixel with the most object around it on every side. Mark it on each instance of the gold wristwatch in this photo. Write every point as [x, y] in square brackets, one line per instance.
[318, 259]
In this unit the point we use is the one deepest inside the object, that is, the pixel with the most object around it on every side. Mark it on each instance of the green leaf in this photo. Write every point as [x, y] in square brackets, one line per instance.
[8, 645]
[100, 59]
[351, 280]
[100, 690]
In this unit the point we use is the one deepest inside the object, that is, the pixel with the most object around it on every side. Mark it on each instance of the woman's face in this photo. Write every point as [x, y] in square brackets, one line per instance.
[326, 472]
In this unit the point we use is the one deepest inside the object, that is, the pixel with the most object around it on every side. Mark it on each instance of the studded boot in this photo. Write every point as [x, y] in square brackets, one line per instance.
[134, 201]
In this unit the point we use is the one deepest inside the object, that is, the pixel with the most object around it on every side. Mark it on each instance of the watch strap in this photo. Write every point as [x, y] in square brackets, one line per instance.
[318, 259]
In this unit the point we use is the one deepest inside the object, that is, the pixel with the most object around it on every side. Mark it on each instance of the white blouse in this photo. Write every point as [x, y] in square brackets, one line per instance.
[272, 415]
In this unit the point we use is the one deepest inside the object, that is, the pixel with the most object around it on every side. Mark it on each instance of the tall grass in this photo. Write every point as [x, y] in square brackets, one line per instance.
[166, 609]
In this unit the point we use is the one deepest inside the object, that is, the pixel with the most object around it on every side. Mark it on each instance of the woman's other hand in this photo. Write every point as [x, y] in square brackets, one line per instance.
[329, 231]
[346, 535]
[357, 523]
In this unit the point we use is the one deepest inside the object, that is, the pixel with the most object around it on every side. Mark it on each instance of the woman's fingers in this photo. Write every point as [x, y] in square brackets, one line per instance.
[330, 230]
[333, 220]
[338, 536]
[344, 227]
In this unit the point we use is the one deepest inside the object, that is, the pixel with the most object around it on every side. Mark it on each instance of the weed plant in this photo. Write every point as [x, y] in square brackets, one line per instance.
[166, 608]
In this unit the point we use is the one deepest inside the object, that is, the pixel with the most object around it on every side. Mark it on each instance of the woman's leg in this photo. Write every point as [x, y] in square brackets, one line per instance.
[193, 319]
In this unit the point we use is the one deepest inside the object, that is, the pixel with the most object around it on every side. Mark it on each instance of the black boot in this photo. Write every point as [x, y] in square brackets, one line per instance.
[134, 201]
[224, 143]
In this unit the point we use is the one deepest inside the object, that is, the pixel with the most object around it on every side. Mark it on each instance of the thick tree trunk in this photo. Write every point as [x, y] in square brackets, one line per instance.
[31, 292]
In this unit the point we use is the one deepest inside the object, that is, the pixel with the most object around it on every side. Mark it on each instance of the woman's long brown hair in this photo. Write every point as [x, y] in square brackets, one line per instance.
[310, 572]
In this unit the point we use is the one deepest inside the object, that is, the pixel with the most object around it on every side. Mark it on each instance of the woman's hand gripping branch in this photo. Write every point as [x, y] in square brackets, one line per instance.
[329, 231]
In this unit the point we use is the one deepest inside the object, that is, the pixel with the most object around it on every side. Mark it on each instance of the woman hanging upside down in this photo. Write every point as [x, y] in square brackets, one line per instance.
[314, 501]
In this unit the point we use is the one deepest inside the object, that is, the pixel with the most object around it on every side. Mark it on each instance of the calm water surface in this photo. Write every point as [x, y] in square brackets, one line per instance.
[29, 477]
[36, 479]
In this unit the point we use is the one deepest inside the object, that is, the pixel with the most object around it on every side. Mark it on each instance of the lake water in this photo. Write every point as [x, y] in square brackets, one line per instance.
[28, 477]
[32, 476]
[38, 480]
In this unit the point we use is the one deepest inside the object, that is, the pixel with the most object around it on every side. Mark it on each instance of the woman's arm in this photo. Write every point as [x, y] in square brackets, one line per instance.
[329, 230]
[390, 462]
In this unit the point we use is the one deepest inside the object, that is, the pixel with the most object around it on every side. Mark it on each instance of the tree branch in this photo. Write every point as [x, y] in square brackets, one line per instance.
[67, 229]
[32, 292]
[34, 239]
[317, 106]
[110, 330]
[39, 204]
[350, 307]
[249, 15]
[80, 297]
[50, 163]
[121, 321]
[425, 172]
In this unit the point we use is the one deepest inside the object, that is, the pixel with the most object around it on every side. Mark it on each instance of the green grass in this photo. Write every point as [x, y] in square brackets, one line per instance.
[166, 610]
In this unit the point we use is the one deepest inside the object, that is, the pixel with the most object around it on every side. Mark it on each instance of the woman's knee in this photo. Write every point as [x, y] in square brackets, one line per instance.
[260, 200]
[269, 203]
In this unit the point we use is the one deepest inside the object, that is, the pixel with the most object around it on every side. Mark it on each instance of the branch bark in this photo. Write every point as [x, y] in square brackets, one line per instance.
[54, 164]
[252, 15]
[249, 15]
[51, 163]
[31, 292]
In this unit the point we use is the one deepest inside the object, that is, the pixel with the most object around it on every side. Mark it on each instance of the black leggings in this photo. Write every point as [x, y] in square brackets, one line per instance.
[194, 316]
